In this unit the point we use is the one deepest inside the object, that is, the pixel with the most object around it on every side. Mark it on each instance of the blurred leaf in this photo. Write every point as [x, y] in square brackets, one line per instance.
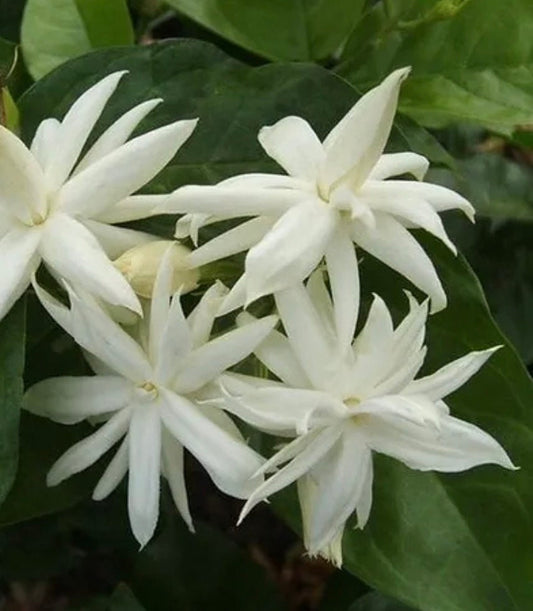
[123, 599]
[475, 65]
[278, 29]
[11, 17]
[204, 571]
[8, 58]
[12, 330]
[54, 31]
[374, 601]
[11, 113]
[342, 588]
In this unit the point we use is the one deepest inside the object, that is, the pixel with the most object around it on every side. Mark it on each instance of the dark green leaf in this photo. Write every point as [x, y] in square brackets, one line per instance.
[374, 601]
[8, 57]
[123, 599]
[11, 17]
[475, 65]
[12, 329]
[278, 29]
[54, 31]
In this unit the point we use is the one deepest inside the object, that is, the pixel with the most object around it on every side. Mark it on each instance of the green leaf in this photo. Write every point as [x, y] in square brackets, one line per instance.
[54, 31]
[12, 330]
[123, 599]
[476, 65]
[8, 58]
[278, 29]
[202, 570]
[11, 12]
[374, 601]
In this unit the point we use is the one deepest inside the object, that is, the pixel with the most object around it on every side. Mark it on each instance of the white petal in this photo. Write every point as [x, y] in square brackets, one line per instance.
[18, 253]
[114, 472]
[395, 164]
[22, 184]
[123, 171]
[276, 353]
[95, 331]
[364, 504]
[144, 461]
[201, 319]
[59, 312]
[395, 246]
[117, 134]
[45, 141]
[355, 144]
[76, 126]
[230, 463]
[236, 298]
[87, 451]
[173, 469]
[71, 399]
[232, 202]
[340, 478]
[208, 361]
[410, 211]
[295, 146]
[319, 294]
[397, 379]
[160, 305]
[116, 240]
[315, 350]
[343, 272]
[452, 376]
[457, 446]
[232, 241]
[189, 225]
[440, 198]
[310, 451]
[268, 181]
[290, 250]
[415, 408]
[75, 254]
[282, 409]
[133, 208]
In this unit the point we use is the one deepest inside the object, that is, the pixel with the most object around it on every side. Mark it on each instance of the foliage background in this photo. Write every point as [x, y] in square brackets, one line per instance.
[434, 542]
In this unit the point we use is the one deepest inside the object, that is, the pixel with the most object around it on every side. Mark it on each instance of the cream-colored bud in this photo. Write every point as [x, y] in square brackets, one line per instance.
[140, 264]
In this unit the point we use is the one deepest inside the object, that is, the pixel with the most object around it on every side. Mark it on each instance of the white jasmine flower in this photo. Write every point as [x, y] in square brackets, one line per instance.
[345, 403]
[140, 265]
[59, 209]
[149, 392]
[336, 192]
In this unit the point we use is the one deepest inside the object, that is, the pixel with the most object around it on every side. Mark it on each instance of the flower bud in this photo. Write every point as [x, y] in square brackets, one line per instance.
[140, 264]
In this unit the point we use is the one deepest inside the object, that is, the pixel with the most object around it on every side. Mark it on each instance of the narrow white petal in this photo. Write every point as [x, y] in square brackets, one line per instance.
[291, 250]
[74, 253]
[201, 319]
[144, 468]
[276, 353]
[315, 349]
[98, 333]
[233, 202]
[76, 126]
[189, 225]
[343, 272]
[440, 198]
[364, 504]
[117, 134]
[114, 473]
[230, 463]
[87, 451]
[160, 305]
[173, 467]
[23, 188]
[340, 478]
[59, 312]
[308, 456]
[71, 399]
[452, 376]
[18, 253]
[132, 208]
[235, 240]
[208, 361]
[265, 181]
[415, 408]
[395, 246]
[355, 144]
[457, 446]
[319, 294]
[123, 171]
[45, 141]
[236, 298]
[397, 379]
[409, 336]
[395, 164]
[295, 146]
[116, 240]
[176, 342]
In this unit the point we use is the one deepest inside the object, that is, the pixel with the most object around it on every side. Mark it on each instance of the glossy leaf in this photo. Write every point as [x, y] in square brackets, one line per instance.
[278, 29]
[54, 31]
[12, 331]
[467, 66]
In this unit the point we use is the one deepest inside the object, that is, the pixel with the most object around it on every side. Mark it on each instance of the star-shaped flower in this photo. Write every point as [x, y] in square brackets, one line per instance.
[336, 192]
[57, 208]
[346, 400]
[150, 394]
